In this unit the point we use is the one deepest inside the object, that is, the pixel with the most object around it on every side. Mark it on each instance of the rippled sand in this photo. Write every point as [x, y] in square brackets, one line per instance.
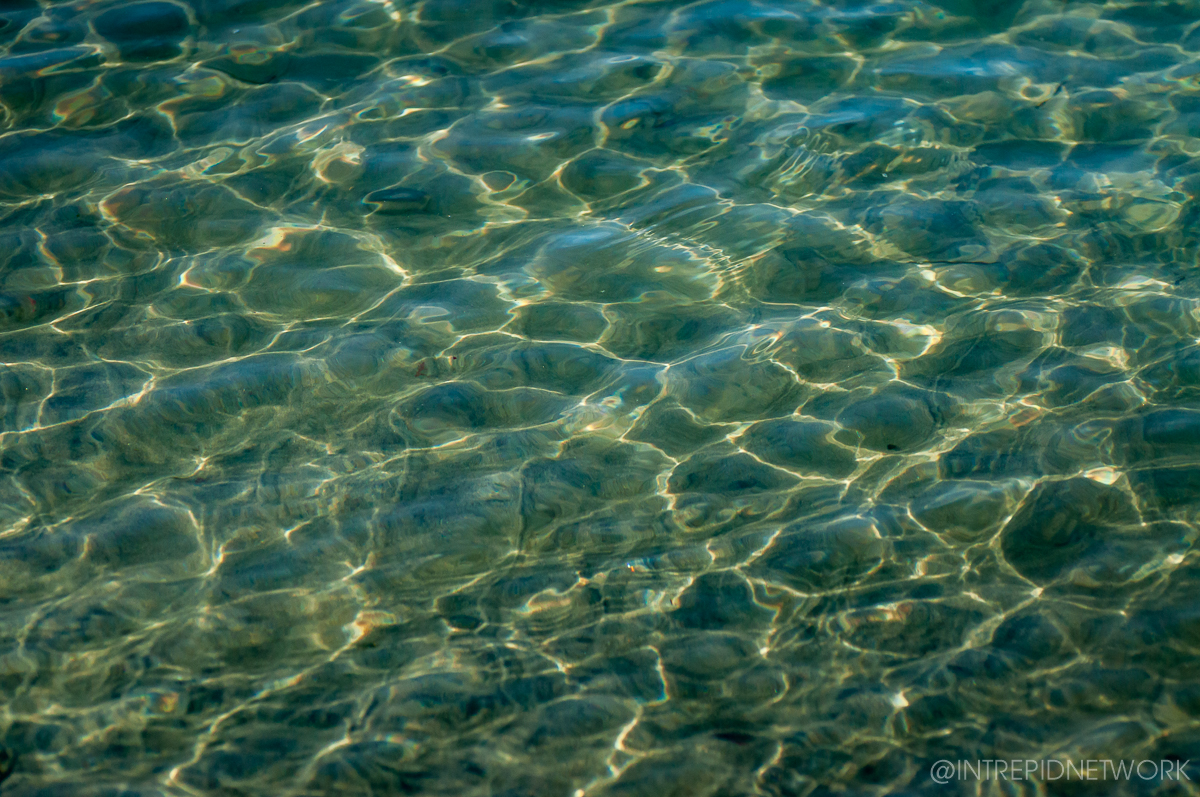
[497, 397]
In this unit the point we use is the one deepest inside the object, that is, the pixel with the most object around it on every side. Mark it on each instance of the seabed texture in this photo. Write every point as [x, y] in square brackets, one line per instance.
[590, 399]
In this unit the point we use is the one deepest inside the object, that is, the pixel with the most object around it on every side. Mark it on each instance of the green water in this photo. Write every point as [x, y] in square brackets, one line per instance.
[497, 397]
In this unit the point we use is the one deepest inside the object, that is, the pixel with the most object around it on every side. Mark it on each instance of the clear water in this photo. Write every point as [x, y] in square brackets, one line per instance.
[497, 397]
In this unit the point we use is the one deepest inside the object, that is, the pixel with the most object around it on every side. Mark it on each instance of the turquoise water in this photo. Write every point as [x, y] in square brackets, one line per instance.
[495, 397]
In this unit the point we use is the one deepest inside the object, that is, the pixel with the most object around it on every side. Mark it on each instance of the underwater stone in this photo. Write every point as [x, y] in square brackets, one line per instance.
[707, 655]
[1020, 153]
[560, 367]
[256, 55]
[674, 430]
[148, 31]
[663, 330]
[141, 532]
[601, 174]
[911, 628]
[829, 356]
[572, 719]
[1016, 205]
[893, 418]
[724, 387]
[22, 389]
[399, 200]
[575, 482]
[735, 474]
[465, 305]
[932, 229]
[1169, 491]
[88, 388]
[183, 216]
[819, 556]
[1059, 523]
[45, 163]
[800, 445]
[720, 601]
[222, 13]
[1105, 116]
[808, 78]
[42, 551]
[1032, 638]
[558, 321]
[962, 509]
[798, 275]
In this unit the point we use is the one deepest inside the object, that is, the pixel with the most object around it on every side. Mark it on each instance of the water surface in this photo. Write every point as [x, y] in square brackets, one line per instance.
[497, 397]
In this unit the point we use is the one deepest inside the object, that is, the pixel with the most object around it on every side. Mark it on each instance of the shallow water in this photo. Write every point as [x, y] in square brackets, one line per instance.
[496, 397]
